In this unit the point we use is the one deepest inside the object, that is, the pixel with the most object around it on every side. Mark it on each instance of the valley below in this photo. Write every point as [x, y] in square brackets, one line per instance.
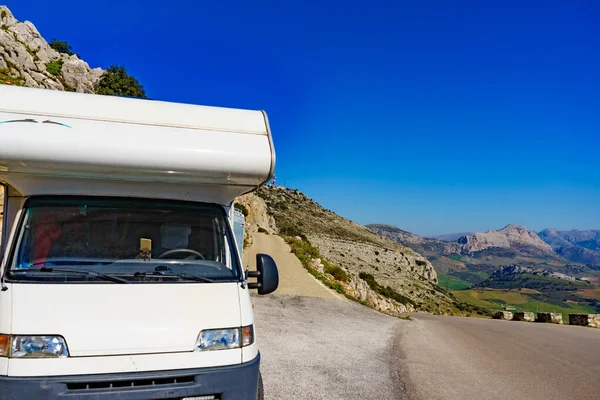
[513, 268]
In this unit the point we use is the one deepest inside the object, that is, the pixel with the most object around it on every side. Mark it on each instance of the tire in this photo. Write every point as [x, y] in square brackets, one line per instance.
[261, 389]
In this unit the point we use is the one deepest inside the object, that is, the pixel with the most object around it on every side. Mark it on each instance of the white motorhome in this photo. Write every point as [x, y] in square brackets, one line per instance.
[121, 276]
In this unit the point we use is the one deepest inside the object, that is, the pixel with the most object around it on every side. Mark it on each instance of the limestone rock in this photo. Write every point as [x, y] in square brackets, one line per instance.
[258, 215]
[77, 74]
[25, 53]
[511, 236]
[361, 290]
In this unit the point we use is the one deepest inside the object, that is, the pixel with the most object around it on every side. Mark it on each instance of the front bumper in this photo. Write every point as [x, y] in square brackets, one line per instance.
[225, 383]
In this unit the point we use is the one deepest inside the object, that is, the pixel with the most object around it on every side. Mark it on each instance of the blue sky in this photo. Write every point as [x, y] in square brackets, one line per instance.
[434, 116]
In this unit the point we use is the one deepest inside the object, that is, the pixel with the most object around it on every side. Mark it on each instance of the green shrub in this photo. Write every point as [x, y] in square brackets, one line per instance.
[262, 230]
[421, 263]
[61, 47]
[303, 249]
[7, 78]
[384, 291]
[242, 209]
[115, 81]
[291, 230]
[337, 272]
[54, 67]
[3, 14]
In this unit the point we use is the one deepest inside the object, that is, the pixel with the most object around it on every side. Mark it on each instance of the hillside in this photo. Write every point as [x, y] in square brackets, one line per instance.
[577, 246]
[325, 242]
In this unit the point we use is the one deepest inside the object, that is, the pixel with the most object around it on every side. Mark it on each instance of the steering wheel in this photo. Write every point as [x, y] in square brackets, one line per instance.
[194, 252]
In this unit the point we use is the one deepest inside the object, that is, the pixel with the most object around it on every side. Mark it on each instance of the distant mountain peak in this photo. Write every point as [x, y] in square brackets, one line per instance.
[511, 236]
[514, 227]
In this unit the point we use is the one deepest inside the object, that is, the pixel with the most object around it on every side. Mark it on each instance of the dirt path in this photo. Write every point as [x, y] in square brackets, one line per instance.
[293, 278]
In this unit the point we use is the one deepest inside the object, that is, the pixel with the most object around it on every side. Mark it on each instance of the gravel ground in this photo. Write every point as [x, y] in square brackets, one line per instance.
[316, 348]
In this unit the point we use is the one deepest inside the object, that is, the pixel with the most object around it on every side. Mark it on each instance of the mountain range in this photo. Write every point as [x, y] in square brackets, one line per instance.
[474, 257]
[577, 246]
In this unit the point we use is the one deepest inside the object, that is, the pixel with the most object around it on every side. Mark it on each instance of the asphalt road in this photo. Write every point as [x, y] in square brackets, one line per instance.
[469, 358]
[316, 348]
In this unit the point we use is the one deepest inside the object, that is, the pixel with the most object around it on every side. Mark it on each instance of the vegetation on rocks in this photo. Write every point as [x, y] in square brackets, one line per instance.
[27, 59]
[307, 253]
[8, 78]
[385, 291]
[398, 280]
[117, 82]
[61, 47]
[54, 67]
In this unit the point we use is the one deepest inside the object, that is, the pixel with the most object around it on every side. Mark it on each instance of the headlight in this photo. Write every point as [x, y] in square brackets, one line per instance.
[38, 347]
[223, 339]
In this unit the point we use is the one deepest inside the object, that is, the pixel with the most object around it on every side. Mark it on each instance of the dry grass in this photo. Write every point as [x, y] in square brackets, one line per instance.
[590, 293]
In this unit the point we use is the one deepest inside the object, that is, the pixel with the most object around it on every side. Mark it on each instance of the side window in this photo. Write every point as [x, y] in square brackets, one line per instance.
[3, 234]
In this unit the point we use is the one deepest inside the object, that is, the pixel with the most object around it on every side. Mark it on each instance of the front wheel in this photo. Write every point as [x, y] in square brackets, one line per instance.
[261, 389]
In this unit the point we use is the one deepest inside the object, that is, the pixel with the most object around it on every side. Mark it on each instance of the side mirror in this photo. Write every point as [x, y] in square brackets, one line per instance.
[266, 274]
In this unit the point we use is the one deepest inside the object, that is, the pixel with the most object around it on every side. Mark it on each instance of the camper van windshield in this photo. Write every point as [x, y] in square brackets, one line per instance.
[123, 241]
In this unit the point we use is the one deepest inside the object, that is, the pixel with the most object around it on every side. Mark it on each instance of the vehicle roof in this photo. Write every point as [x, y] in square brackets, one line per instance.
[73, 143]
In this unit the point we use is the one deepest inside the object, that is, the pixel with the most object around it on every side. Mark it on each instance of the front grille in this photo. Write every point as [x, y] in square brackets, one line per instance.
[133, 383]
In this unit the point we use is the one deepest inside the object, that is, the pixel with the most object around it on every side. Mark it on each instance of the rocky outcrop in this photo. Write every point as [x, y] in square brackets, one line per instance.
[512, 270]
[257, 217]
[26, 59]
[510, 237]
[257, 213]
[359, 289]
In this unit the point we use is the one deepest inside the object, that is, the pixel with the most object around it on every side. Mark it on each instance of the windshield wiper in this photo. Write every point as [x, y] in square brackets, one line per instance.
[92, 274]
[166, 271]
